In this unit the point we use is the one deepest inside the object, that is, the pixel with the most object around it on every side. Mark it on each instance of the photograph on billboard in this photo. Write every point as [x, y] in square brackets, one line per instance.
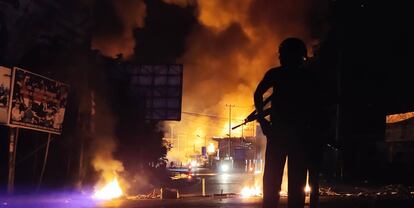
[37, 102]
[5, 79]
[161, 87]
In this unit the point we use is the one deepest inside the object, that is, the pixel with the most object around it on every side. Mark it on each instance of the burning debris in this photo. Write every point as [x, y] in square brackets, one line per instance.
[155, 194]
[112, 190]
[388, 191]
[248, 191]
[327, 191]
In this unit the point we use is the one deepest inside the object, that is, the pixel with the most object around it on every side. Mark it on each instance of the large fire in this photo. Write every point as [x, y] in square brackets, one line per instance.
[225, 57]
[108, 168]
[111, 190]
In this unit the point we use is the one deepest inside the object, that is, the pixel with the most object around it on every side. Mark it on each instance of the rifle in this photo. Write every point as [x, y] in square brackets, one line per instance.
[253, 115]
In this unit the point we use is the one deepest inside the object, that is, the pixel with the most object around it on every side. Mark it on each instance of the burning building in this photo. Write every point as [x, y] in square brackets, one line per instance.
[239, 151]
[397, 150]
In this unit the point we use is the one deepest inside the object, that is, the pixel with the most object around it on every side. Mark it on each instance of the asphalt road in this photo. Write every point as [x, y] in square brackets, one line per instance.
[218, 182]
[255, 202]
[230, 183]
[77, 200]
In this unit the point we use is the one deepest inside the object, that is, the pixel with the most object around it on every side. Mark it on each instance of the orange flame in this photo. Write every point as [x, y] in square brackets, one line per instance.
[251, 191]
[111, 190]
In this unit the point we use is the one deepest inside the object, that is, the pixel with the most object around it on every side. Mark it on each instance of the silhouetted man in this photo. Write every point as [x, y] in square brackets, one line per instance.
[288, 125]
[321, 131]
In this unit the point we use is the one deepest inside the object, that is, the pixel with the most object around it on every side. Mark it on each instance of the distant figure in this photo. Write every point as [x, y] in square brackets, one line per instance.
[3, 95]
[16, 113]
[286, 131]
[29, 115]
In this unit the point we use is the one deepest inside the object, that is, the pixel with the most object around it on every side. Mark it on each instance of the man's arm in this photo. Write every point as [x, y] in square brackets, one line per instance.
[264, 85]
[261, 89]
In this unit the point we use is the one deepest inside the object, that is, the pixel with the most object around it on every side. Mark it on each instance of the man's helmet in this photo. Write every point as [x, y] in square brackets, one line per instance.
[293, 47]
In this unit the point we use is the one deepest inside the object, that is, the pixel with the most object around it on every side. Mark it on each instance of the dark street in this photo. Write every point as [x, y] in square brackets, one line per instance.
[79, 201]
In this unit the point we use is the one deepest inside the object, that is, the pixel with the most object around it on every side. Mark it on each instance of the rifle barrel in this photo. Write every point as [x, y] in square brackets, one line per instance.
[235, 127]
[265, 102]
[253, 115]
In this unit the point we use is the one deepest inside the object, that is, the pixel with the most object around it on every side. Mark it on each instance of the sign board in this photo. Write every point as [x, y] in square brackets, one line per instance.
[400, 127]
[5, 78]
[37, 102]
[160, 86]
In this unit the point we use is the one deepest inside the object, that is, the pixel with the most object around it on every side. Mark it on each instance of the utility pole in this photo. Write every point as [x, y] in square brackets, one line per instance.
[229, 106]
[44, 162]
[339, 154]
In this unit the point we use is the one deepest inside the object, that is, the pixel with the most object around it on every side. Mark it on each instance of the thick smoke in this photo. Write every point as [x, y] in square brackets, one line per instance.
[104, 140]
[103, 160]
[115, 21]
[226, 54]
[230, 50]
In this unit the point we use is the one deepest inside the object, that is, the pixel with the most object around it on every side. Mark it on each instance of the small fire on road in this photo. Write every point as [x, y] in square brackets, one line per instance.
[256, 191]
[111, 190]
[251, 191]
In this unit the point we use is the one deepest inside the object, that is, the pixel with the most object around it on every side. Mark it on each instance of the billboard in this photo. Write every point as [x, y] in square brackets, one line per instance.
[37, 102]
[400, 127]
[161, 87]
[5, 78]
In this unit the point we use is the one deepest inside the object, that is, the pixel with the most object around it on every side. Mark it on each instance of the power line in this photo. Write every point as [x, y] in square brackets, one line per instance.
[206, 115]
[201, 114]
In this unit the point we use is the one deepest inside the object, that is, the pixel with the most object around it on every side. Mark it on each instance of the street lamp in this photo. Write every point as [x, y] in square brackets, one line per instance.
[211, 149]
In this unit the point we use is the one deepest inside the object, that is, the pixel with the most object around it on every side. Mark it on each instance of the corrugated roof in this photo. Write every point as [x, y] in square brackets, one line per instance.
[399, 117]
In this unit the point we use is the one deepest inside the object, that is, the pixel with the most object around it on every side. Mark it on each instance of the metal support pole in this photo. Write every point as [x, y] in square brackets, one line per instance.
[229, 119]
[229, 143]
[81, 164]
[13, 137]
[44, 162]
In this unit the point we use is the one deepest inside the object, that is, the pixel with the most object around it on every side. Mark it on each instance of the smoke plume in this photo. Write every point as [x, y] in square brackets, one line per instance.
[229, 51]
[115, 21]
[104, 139]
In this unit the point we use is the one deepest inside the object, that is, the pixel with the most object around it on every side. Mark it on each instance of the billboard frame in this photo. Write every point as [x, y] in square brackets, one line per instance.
[148, 76]
[12, 83]
[9, 95]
